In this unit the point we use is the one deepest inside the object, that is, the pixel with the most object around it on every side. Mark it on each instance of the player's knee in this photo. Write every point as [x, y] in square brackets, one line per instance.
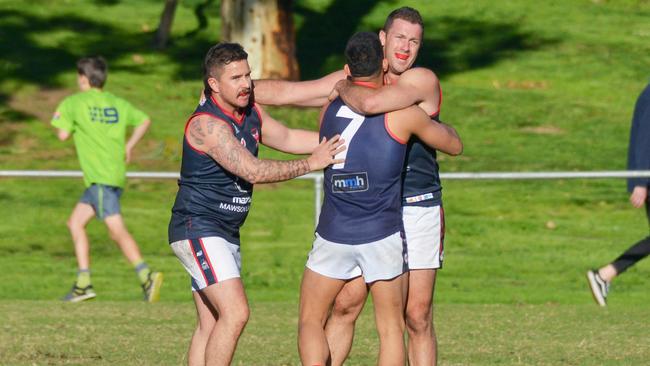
[418, 318]
[238, 318]
[346, 308]
[73, 225]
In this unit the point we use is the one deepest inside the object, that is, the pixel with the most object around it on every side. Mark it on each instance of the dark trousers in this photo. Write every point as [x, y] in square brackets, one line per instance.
[636, 252]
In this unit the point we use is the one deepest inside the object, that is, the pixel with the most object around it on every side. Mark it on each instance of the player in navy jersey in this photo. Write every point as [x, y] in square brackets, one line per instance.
[360, 229]
[405, 85]
[218, 170]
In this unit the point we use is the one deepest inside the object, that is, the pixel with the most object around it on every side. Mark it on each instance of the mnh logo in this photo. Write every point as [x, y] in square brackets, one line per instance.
[353, 182]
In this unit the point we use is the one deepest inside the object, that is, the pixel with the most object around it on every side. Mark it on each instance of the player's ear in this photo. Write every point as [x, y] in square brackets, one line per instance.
[214, 84]
[382, 38]
[346, 70]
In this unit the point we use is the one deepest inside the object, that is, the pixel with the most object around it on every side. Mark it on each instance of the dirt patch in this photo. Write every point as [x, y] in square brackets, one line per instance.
[544, 130]
[520, 84]
[40, 104]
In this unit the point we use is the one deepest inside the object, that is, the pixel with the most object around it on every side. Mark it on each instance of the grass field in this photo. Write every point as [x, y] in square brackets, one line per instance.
[529, 85]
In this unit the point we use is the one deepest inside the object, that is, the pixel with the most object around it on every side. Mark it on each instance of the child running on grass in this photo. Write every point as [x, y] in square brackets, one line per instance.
[98, 121]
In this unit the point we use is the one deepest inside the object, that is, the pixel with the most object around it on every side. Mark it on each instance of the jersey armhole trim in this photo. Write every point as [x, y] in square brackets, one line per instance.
[390, 133]
[259, 116]
[187, 125]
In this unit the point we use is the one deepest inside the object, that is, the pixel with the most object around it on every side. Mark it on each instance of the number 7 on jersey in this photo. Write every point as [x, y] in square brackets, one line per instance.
[348, 133]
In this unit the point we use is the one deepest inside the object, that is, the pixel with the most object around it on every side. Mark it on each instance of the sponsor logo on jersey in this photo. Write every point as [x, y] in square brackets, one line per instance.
[241, 200]
[256, 134]
[233, 208]
[419, 198]
[57, 115]
[350, 183]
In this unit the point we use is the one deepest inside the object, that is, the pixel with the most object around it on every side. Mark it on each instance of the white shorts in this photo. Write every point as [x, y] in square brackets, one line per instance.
[425, 234]
[378, 260]
[208, 260]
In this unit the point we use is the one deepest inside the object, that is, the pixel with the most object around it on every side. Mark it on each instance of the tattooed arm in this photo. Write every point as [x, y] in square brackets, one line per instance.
[215, 138]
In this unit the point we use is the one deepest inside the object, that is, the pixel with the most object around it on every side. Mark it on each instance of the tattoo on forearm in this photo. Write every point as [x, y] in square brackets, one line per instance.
[232, 156]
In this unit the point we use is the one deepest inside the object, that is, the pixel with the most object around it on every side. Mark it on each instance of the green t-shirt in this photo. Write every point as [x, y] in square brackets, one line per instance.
[98, 121]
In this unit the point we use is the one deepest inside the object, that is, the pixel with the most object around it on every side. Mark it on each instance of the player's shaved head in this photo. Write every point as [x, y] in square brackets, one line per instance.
[95, 69]
[364, 54]
[405, 13]
[219, 56]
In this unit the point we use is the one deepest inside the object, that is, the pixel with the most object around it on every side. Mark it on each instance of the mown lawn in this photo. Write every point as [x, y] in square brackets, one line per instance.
[530, 86]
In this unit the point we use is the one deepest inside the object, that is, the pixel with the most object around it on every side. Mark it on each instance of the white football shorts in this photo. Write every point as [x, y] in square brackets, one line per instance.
[208, 260]
[378, 260]
[425, 233]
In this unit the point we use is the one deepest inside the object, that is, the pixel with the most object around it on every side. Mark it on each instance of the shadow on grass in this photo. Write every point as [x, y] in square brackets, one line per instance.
[321, 39]
[36, 49]
[454, 44]
[451, 44]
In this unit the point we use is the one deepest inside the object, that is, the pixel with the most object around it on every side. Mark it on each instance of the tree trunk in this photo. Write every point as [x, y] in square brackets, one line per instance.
[165, 26]
[265, 29]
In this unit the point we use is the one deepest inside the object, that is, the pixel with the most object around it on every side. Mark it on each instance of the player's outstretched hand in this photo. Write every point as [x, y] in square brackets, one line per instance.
[325, 153]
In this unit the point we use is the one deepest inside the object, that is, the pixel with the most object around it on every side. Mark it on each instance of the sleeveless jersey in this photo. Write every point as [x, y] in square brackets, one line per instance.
[362, 195]
[421, 176]
[210, 200]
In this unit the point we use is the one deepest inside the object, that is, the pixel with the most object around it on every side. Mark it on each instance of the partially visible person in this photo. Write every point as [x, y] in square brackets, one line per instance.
[218, 170]
[638, 158]
[360, 232]
[98, 122]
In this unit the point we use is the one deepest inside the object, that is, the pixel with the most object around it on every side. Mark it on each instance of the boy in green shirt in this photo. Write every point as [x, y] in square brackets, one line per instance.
[98, 120]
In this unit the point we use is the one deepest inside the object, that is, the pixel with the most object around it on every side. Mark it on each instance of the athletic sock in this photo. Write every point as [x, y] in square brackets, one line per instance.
[142, 270]
[83, 278]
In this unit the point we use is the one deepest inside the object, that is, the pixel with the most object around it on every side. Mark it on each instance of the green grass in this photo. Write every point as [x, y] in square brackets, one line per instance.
[529, 85]
[109, 333]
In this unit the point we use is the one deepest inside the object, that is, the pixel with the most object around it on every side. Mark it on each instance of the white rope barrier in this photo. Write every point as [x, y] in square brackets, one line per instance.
[318, 177]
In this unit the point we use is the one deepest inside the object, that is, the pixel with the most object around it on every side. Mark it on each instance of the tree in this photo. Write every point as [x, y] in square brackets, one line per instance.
[265, 29]
[165, 26]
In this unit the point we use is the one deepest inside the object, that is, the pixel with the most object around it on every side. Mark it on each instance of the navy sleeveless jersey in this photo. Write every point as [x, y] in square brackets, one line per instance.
[210, 200]
[362, 196]
[421, 178]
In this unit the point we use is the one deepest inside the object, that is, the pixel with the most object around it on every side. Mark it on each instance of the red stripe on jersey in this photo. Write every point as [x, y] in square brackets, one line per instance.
[207, 258]
[390, 133]
[205, 278]
[366, 84]
[239, 120]
[442, 229]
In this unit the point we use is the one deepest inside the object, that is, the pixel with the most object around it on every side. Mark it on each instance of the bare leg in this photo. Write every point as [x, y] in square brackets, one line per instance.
[422, 346]
[119, 233]
[229, 299]
[340, 325]
[388, 299]
[317, 294]
[608, 273]
[81, 215]
[206, 320]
